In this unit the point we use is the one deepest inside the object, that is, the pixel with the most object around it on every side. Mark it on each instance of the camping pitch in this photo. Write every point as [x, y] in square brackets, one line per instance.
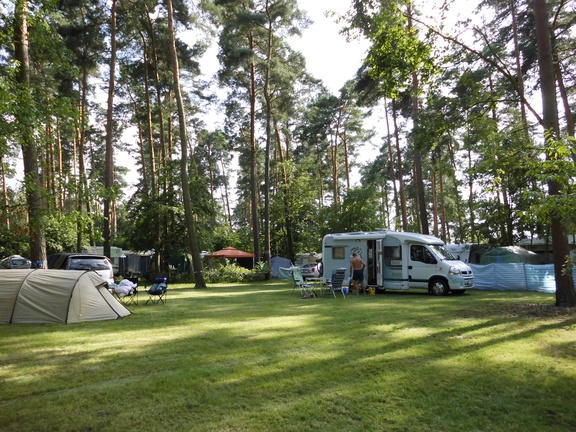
[56, 296]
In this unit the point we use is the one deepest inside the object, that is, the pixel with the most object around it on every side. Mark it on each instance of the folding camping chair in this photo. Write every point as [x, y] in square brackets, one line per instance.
[157, 292]
[336, 283]
[307, 290]
[127, 299]
[128, 295]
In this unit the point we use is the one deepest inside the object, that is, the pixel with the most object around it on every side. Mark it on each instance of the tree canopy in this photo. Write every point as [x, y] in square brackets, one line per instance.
[440, 131]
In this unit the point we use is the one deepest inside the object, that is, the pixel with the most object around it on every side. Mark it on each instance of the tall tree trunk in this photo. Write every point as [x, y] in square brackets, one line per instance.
[158, 88]
[49, 156]
[519, 69]
[344, 140]
[77, 182]
[150, 187]
[393, 175]
[188, 211]
[418, 168]
[445, 231]
[568, 116]
[414, 206]
[285, 190]
[268, 108]
[212, 170]
[335, 165]
[60, 170]
[471, 195]
[419, 178]
[402, 189]
[109, 163]
[457, 198]
[434, 201]
[34, 198]
[254, 192]
[158, 162]
[506, 227]
[565, 294]
[225, 197]
[342, 136]
[141, 146]
[4, 215]
[83, 204]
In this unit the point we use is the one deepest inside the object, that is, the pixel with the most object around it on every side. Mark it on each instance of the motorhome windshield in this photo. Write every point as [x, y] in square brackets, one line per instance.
[442, 253]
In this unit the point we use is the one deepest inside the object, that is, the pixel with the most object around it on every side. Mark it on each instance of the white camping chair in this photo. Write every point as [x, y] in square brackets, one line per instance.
[336, 283]
[306, 290]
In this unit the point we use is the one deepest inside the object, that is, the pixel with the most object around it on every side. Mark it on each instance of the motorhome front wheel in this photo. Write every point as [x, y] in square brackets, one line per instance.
[439, 288]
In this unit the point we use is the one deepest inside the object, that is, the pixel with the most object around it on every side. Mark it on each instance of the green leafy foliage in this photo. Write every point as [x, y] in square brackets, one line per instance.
[358, 212]
[397, 51]
[232, 273]
[556, 165]
[61, 231]
[14, 242]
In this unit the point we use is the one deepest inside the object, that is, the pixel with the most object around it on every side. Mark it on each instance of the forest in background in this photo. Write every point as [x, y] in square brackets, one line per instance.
[470, 150]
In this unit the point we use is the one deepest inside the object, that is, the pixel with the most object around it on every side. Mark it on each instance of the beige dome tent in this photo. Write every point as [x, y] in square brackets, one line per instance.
[56, 296]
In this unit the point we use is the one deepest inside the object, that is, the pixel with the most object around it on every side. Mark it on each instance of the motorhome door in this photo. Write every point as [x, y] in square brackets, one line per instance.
[391, 269]
[421, 266]
[379, 278]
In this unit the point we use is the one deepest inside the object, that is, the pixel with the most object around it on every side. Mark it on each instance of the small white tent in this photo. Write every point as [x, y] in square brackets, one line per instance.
[56, 296]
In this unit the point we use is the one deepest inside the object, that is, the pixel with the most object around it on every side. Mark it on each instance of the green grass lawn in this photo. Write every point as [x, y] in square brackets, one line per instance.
[260, 358]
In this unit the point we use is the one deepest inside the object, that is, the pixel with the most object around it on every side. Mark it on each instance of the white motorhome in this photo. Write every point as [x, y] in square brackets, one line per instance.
[398, 261]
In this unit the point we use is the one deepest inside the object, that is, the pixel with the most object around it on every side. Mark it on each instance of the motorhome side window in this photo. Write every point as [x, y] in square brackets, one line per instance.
[338, 252]
[422, 254]
[392, 252]
[417, 253]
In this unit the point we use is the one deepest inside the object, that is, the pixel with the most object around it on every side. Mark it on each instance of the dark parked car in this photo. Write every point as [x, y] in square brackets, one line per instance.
[15, 262]
[79, 261]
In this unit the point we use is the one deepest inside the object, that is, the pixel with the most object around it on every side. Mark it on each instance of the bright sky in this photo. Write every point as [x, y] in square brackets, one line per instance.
[329, 56]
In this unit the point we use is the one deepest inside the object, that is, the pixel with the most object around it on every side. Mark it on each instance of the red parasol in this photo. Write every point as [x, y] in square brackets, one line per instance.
[229, 252]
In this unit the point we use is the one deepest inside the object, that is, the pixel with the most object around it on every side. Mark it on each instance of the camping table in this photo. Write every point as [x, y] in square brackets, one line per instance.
[316, 283]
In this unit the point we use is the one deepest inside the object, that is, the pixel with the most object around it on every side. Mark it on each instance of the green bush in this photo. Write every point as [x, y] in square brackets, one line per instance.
[232, 273]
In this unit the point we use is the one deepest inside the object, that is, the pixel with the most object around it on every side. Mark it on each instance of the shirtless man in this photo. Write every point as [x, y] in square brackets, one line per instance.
[357, 272]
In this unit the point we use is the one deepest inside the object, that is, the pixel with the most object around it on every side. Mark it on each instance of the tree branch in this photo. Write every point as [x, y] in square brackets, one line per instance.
[488, 60]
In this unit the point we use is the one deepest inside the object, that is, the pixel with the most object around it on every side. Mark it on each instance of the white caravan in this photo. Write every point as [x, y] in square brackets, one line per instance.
[398, 261]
